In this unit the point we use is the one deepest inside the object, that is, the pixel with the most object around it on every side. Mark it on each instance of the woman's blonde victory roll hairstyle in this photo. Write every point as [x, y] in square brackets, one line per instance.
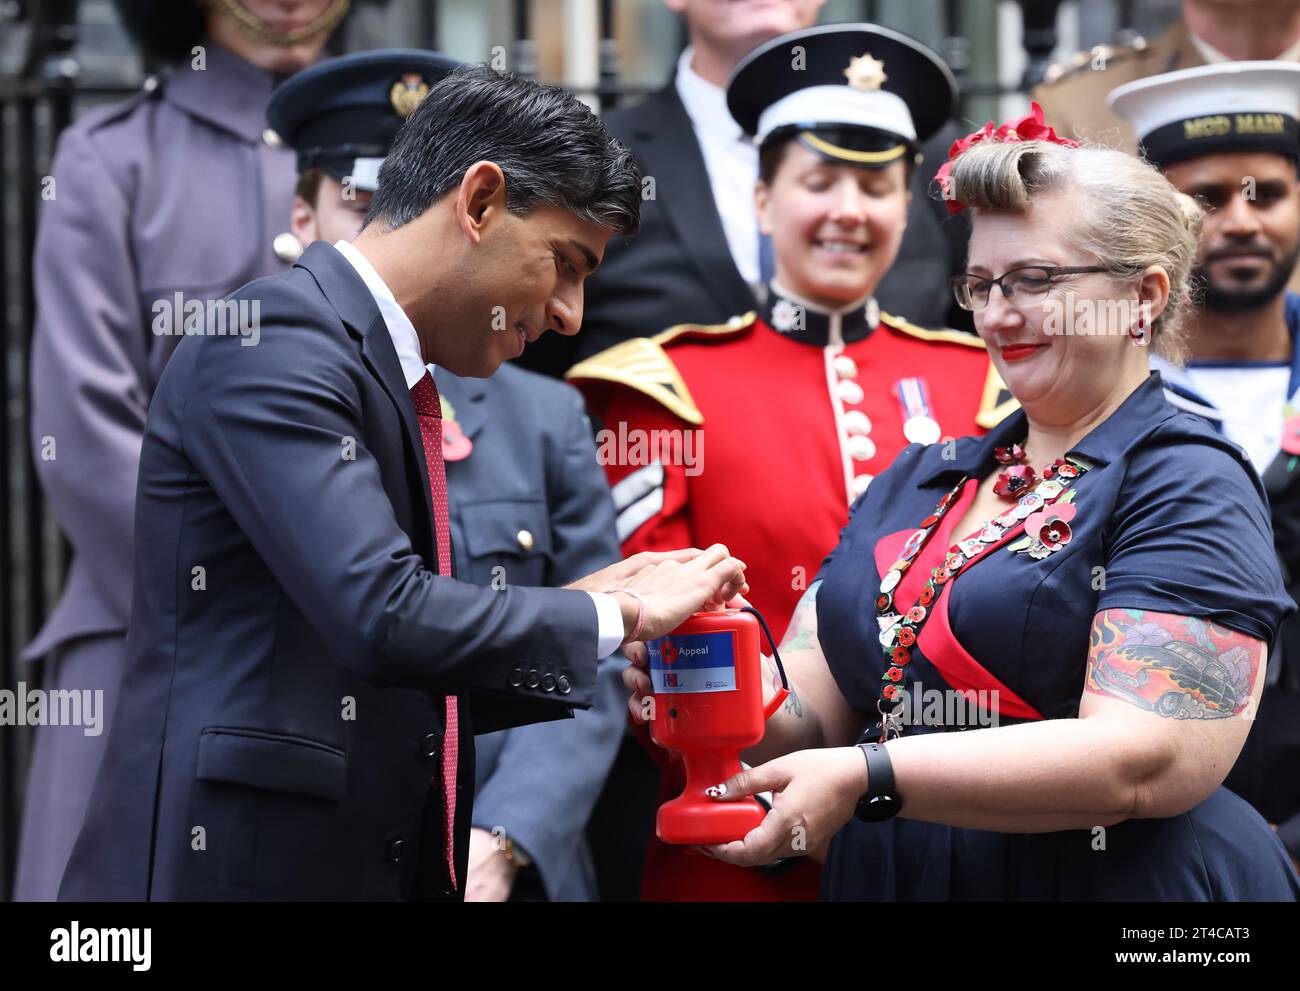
[1127, 214]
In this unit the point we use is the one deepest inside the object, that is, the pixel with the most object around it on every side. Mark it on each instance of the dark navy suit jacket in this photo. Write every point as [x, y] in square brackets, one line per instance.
[279, 734]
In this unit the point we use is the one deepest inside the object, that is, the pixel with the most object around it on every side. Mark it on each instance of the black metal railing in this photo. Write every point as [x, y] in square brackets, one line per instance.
[35, 105]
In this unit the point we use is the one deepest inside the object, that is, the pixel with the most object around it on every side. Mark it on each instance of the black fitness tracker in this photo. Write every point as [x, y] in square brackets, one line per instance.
[881, 800]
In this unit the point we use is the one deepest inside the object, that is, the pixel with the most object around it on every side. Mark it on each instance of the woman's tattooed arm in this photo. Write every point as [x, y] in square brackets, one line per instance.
[1178, 667]
[800, 635]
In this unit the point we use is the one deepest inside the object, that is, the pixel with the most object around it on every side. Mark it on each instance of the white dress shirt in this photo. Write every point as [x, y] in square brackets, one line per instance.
[730, 159]
[407, 345]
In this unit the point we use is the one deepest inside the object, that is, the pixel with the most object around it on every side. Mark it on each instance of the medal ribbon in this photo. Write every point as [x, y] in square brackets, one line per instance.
[914, 396]
[899, 632]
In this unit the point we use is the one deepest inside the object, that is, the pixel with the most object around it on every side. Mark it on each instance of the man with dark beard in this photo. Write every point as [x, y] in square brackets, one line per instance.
[1227, 135]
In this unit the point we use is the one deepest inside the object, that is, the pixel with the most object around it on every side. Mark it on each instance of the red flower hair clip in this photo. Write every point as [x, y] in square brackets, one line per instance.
[1031, 127]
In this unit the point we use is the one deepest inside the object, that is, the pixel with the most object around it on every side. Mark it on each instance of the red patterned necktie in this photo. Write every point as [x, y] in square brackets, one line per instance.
[428, 411]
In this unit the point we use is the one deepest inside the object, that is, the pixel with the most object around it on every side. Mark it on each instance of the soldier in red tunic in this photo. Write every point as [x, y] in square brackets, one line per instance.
[761, 432]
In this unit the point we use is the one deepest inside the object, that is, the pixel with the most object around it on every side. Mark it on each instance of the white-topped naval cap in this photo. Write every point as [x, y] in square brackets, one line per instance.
[1212, 107]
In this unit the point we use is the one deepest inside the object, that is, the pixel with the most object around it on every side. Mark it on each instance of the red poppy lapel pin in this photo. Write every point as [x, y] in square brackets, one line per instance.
[1047, 530]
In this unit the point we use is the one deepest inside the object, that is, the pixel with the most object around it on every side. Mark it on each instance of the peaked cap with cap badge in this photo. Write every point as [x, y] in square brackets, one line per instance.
[1212, 109]
[341, 115]
[854, 93]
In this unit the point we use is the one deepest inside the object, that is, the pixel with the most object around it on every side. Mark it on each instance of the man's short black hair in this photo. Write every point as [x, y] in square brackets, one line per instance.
[549, 145]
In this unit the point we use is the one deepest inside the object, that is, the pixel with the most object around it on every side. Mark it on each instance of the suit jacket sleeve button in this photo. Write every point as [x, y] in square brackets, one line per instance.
[534, 679]
[395, 847]
[564, 685]
[525, 540]
[431, 745]
[548, 683]
[516, 677]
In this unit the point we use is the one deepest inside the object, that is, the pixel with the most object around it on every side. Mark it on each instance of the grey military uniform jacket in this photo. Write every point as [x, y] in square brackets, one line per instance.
[174, 190]
[530, 506]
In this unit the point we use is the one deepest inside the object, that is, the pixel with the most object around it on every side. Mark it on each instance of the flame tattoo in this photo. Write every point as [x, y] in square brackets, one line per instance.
[1178, 667]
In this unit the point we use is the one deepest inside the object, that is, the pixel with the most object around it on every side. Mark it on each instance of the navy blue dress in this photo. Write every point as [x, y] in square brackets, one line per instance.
[1170, 519]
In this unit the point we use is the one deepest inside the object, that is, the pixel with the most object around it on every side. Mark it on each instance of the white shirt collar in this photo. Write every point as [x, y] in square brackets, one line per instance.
[730, 161]
[406, 342]
[705, 104]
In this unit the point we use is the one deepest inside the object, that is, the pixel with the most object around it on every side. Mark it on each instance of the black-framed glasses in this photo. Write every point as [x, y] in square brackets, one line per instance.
[972, 291]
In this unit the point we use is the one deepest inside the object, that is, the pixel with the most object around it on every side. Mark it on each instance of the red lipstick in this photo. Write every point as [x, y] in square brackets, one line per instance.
[1014, 352]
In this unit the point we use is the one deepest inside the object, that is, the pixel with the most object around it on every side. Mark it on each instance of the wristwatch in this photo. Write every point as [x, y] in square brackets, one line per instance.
[516, 855]
[881, 800]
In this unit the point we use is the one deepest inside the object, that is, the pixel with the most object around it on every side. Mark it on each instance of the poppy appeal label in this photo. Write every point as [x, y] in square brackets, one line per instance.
[692, 662]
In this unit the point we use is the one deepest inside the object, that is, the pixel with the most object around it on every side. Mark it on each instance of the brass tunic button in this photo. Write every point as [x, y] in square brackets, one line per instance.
[845, 367]
[286, 247]
[860, 484]
[525, 540]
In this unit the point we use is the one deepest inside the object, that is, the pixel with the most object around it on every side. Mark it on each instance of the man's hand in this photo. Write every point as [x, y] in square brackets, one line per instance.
[673, 590]
[623, 571]
[672, 584]
[491, 875]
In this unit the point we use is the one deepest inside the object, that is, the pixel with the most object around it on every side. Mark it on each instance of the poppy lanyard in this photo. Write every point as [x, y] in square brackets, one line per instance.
[899, 630]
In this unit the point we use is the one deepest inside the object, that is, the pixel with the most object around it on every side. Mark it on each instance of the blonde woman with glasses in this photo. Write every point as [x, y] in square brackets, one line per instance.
[1089, 591]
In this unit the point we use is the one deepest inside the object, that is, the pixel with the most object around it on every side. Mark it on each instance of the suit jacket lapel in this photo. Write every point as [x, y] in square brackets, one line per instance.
[350, 297]
[668, 151]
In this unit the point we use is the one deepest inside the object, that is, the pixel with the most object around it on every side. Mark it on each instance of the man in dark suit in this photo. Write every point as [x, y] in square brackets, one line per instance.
[304, 678]
[527, 502]
[699, 257]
